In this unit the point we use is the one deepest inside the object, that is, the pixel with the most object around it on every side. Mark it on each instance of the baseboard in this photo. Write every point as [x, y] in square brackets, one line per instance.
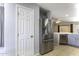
[74, 46]
[37, 54]
[3, 54]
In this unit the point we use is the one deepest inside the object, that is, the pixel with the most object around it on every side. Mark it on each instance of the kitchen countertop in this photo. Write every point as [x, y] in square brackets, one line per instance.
[64, 33]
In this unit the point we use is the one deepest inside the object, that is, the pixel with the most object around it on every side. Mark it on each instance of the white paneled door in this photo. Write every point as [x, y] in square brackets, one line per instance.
[25, 29]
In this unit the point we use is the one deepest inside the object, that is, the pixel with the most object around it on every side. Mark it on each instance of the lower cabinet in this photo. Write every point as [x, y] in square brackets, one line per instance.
[77, 40]
[63, 39]
[73, 39]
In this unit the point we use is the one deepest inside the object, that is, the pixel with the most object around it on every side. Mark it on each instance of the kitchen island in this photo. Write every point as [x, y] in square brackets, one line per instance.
[72, 38]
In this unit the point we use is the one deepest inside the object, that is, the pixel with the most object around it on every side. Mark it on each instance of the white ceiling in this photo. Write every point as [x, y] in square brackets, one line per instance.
[59, 10]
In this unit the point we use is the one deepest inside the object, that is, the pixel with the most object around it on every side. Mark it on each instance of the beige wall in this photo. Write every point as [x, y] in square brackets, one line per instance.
[76, 28]
[63, 28]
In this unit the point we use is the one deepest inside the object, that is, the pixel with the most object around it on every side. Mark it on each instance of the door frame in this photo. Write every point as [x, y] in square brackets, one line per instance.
[17, 6]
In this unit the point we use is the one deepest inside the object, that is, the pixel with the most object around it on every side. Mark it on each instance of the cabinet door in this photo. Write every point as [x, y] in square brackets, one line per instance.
[71, 39]
[77, 40]
[63, 39]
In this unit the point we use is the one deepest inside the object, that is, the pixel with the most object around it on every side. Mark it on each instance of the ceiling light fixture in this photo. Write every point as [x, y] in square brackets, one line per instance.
[58, 21]
[66, 15]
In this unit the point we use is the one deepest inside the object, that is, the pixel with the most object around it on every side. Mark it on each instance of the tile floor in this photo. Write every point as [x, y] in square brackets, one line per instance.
[64, 50]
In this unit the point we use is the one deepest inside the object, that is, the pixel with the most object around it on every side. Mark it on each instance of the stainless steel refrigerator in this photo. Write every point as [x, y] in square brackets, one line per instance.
[45, 32]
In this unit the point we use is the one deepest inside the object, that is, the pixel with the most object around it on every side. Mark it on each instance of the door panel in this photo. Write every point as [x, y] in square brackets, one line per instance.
[25, 30]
